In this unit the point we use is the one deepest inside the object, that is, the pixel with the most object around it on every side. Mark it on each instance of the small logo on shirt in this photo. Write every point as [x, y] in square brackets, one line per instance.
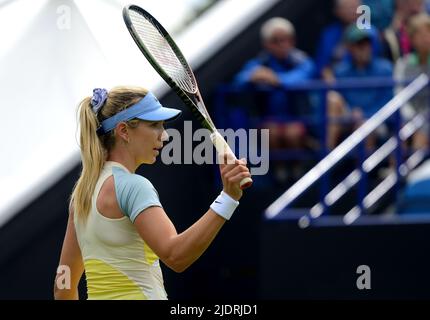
[218, 202]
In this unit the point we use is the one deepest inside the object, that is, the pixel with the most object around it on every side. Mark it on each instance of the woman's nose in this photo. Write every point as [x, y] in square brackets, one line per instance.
[164, 136]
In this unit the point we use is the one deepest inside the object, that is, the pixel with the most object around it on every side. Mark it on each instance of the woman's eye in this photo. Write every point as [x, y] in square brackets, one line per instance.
[157, 124]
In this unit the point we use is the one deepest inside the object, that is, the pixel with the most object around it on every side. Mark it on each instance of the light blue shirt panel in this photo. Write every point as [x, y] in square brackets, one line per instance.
[134, 193]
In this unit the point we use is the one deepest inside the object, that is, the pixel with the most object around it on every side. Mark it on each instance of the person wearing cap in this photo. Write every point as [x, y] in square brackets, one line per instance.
[117, 229]
[360, 104]
[331, 47]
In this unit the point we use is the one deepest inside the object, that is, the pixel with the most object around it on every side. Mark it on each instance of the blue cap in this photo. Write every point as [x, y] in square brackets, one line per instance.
[353, 34]
[148, 108]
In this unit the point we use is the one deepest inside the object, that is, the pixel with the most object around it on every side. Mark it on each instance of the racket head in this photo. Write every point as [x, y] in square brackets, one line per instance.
[159, 49]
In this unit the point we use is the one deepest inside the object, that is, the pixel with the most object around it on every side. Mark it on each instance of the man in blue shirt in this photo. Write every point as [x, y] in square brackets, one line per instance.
[360, 103]
[279, 66]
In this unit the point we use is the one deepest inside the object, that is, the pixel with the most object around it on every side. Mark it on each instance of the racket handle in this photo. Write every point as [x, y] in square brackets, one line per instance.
[222, 148]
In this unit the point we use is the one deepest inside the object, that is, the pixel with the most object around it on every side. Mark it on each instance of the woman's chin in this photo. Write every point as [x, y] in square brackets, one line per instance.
[151, 160]
[148, 160]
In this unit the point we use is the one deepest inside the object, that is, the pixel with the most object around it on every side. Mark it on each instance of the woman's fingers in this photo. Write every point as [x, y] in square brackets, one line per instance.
[239, 177]
[235, 170]
[232, 175]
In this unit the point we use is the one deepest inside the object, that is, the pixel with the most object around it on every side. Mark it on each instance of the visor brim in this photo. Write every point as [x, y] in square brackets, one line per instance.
[161, 114]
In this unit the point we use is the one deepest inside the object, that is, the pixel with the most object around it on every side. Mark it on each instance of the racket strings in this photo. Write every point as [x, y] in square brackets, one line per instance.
[163, 53]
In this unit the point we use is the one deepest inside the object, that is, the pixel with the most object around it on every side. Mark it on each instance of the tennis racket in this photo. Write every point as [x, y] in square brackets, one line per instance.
[165, 57]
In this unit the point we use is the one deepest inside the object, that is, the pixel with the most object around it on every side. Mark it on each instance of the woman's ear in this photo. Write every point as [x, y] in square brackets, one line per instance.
[122, 131]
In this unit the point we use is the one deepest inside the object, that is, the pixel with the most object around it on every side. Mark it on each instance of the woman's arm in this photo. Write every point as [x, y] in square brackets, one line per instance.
[72, 266]
[179, 251]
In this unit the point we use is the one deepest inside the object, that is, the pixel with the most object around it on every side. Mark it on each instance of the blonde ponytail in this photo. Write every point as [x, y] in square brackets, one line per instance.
[93, 157]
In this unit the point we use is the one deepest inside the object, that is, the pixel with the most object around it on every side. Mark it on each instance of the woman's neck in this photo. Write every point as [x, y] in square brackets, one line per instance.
[125, 161]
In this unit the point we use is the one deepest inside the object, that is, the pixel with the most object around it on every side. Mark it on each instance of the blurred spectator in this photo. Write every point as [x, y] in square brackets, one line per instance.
[411, 66]
[331, 49]
[280, 65]
[396, 38]
[358, 104]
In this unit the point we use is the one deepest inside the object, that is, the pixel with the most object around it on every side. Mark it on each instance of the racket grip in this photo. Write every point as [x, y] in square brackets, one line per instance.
[223, 148]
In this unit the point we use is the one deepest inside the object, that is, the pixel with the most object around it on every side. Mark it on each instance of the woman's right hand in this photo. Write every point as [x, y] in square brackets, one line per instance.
[232, 175]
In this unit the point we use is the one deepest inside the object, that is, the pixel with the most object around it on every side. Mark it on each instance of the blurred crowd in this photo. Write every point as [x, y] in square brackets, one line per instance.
[395, 45]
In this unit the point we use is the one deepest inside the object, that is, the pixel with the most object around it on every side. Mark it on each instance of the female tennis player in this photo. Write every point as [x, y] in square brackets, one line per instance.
[117, 230]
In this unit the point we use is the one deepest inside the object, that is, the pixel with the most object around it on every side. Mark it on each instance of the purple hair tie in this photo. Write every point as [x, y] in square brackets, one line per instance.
[98, 99]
